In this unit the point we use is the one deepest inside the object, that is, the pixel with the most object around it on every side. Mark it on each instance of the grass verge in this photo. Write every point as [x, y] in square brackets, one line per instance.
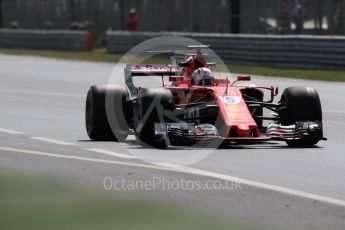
[28, 202]
[101, 55]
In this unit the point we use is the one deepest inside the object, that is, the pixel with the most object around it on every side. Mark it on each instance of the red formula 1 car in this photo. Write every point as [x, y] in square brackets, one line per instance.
[199, 108]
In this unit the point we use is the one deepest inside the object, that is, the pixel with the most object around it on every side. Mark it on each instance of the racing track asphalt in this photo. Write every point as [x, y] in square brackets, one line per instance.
[42, 132]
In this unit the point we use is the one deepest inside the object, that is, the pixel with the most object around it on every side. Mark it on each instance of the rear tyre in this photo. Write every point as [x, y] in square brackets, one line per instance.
[107, 123]
[302, 104]
[152, 107]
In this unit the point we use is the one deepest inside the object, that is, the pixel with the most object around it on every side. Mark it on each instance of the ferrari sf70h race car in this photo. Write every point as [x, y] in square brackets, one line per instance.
[196, 107]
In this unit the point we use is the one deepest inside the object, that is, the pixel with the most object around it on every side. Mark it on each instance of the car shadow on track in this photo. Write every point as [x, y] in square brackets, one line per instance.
[133, 144]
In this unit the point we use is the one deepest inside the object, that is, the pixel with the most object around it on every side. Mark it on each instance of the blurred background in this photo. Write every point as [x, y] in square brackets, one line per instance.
[303, 34]
[216, 16]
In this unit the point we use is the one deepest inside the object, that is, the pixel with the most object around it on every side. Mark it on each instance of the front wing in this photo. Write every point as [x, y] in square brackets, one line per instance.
[206, 132]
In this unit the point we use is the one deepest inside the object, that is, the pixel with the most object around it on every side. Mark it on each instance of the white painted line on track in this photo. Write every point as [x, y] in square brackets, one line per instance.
[333, 111]
[40, 93]
[193, 171]
[169, 165]
[10, 131]
[53, 141]
[114, 154]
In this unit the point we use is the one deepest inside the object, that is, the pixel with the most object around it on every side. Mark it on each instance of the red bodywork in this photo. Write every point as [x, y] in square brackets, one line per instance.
[238, 122]
[237, 117]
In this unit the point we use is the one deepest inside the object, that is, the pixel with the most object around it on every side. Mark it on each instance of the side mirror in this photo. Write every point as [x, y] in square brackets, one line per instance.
[176, 78]
[243, 78]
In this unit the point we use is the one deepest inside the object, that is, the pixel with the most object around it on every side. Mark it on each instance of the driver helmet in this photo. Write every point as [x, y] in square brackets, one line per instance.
[202, 76]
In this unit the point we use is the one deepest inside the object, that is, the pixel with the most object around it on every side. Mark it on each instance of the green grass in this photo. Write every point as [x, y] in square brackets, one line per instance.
[326, 75]
[28, 202]
[101, 55]
[98, 55]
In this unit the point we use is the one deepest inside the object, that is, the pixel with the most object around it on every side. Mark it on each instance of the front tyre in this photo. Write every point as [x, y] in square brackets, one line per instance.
[301, 103]
[152, 106]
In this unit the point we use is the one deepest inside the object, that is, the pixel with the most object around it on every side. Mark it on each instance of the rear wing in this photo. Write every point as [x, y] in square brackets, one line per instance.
[132, 70]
